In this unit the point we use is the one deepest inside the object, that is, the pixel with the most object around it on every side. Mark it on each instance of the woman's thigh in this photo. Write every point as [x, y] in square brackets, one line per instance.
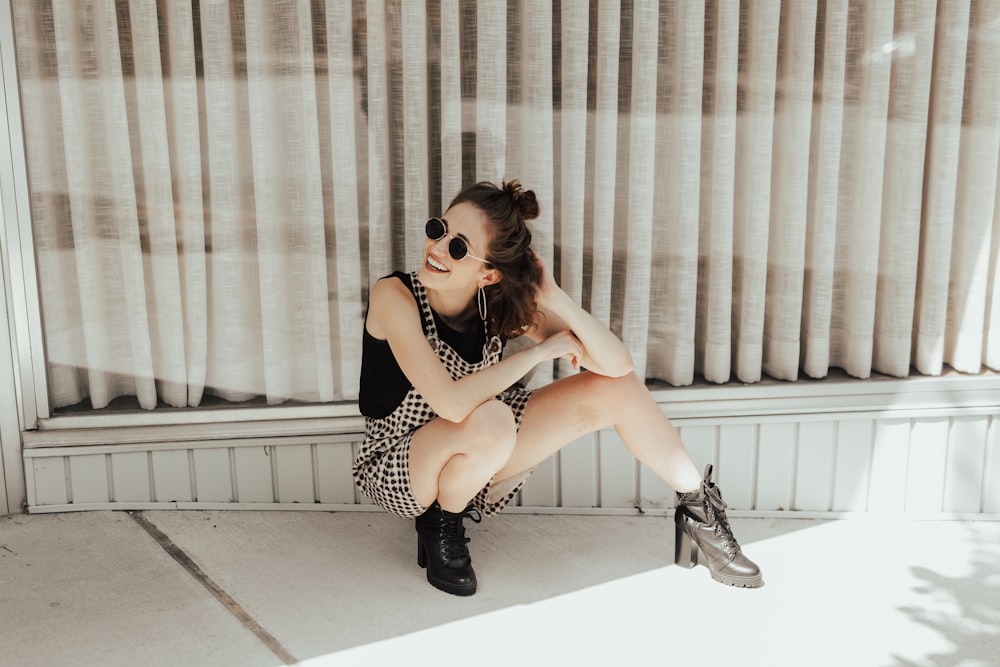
[559, 413]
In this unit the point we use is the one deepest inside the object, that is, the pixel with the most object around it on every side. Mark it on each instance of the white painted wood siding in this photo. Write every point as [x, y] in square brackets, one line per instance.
[827, 455]
[922, 466]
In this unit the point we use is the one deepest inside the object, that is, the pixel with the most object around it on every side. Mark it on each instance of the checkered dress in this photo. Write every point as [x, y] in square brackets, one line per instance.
[381, 465]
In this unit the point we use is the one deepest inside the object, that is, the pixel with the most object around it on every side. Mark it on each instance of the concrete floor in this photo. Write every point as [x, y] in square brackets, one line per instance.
[316, 588]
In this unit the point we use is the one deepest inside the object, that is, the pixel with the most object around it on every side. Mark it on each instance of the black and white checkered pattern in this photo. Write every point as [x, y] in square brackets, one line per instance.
[381, 467]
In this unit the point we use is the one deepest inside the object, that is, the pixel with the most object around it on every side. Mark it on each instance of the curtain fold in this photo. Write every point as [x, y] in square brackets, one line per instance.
[789, 192]
[742, 191]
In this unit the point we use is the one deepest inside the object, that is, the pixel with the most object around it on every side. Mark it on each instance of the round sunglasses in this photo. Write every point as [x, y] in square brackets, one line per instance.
[457, 247]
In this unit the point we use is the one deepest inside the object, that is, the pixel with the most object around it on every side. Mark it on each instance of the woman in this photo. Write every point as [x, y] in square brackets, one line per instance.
[449, 434]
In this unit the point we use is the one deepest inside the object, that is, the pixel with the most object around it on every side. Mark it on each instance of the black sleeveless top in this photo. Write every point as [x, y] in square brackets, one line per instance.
[383, 384]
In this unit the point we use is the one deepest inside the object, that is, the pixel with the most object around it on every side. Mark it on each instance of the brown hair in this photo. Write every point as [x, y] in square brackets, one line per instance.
[510, 302]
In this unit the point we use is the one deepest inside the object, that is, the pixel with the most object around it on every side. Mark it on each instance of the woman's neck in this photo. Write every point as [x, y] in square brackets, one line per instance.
[454, 308]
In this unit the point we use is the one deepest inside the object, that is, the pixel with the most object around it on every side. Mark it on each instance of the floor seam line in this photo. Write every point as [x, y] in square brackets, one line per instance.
[226, 600]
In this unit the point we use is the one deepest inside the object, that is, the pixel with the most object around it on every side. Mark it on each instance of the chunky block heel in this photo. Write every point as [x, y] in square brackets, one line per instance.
[421, 554]
[685, 550]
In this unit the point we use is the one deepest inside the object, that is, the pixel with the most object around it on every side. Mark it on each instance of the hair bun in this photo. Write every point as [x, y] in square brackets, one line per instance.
[524, 200]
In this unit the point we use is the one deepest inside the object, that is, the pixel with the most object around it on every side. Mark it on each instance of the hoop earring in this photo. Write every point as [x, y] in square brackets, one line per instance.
[481, 303]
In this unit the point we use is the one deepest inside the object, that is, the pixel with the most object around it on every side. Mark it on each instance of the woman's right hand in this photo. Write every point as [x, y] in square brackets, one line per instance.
[562, 345]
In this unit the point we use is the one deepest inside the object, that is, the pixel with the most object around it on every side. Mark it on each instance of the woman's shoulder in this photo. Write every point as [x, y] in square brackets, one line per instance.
[394, 283]
[390, 297]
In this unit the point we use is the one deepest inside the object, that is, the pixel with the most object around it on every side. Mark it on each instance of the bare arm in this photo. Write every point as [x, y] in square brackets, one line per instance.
[393, 316]
[603, 352]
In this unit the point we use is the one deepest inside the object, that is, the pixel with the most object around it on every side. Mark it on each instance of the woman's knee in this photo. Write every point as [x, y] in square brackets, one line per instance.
[622, 388]
[492, 430]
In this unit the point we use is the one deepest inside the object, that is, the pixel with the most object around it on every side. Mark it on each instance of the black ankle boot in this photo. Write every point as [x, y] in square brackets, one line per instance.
[700, 525]
[442, 548]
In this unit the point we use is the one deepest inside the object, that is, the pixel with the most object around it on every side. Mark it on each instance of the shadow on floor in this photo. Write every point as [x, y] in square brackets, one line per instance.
[962, 608]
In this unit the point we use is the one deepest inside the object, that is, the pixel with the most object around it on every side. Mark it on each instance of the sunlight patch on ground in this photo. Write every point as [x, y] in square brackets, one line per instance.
[838, 593]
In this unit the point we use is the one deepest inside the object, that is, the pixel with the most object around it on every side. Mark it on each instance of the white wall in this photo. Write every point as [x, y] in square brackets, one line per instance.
[924, 447]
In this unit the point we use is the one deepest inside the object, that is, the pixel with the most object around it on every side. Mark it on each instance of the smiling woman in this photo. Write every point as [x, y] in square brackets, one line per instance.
[454, 435]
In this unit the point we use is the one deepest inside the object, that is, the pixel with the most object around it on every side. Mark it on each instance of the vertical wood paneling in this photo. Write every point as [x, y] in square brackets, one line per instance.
[50, 480]
[700, 442]
[920, 466]
[814, 467]
[335, 484]
[89, 478]
[653, 491]
[775, 466]
[172, 476]
[130, 477]
[254, 481]
[618, 472]
[294, 465]
[541, 489]
[964, 476]
[213, 476]
[737, 468]
[887, 486]
[991, 470]
[853, 466]
[927, 463]
[578, 473]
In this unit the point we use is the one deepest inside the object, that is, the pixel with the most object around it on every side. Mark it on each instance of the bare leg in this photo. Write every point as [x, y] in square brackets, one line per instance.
[450, 462]
[563, 411]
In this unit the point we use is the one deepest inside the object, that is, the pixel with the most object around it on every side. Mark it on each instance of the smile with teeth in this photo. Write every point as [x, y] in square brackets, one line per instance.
[435, 264]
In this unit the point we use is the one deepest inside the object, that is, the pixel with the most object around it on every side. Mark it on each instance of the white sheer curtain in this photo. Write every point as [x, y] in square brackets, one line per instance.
[740, 190]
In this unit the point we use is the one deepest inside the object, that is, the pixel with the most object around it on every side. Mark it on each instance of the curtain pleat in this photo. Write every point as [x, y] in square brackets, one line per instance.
[102, 199]
[572, 164]
[640, 188]
[288, 213]
[344, 227]
[451, 102]
[154, 190]
[940, 185]
[674, 274]
[786, 246]
[575, 23]
[490, 85]
[416, 184]
[859, 201]
[906, 133]
[752, 192]
[184, 139]
[49, 193]
[605, 156]
[740, 190]
[380, 236]
[235, 346]
[824, 165]
[713, 324]
[975, 207]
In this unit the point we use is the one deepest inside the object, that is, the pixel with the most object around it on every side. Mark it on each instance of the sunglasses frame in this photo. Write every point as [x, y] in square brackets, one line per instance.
[451, 244]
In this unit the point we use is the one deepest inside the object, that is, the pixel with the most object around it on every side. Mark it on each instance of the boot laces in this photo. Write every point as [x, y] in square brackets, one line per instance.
[715, 509]
[453, 539]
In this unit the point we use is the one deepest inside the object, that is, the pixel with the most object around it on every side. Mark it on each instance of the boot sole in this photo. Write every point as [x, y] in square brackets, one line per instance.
[438, 583]
[756, 582]
[448, 588]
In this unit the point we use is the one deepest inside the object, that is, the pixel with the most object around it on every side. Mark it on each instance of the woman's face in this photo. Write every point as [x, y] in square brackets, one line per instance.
[440, 270]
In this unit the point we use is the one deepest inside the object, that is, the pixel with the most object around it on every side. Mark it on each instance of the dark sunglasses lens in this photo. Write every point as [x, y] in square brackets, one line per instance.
[434, 229]
[457, 249]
